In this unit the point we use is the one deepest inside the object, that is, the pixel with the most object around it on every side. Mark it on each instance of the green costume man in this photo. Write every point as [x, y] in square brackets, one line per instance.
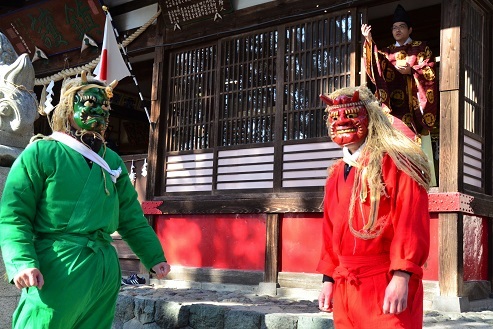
[57, 212]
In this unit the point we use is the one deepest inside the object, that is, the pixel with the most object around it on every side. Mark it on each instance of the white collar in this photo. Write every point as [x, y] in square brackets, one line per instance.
[409, 40]
[352, 158]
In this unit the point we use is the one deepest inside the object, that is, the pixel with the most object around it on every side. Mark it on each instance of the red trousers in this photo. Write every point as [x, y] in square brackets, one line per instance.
[359, 290]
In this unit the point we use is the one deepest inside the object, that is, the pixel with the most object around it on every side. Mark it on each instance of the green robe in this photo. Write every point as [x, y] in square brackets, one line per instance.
[56, 215]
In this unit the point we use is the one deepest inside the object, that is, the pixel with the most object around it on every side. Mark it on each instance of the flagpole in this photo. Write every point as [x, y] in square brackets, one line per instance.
[127, 63]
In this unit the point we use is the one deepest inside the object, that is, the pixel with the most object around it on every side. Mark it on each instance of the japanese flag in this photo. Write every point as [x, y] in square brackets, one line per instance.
[111, 65]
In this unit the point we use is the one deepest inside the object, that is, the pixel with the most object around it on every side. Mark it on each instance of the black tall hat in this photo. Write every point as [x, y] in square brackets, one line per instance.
[400, 15]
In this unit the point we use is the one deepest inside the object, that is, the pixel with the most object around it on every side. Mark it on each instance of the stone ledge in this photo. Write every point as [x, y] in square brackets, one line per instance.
[194, 305]
[140, 307]
[162, 314]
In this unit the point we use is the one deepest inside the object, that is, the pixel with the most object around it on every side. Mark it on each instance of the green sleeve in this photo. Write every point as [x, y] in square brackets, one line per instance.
[23, 188]
[133, 226]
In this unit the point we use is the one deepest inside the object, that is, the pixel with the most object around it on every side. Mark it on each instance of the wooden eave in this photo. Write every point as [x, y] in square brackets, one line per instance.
[143, 44]
[250, 18]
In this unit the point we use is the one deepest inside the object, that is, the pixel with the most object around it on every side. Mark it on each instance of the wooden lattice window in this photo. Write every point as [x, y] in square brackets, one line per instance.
[474, 73]
[248, 89]
[316, 60]
[474, 70]
[191, 115]
[244, 111]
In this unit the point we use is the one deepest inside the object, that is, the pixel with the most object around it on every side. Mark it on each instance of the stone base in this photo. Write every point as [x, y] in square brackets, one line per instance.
[477, 297]
[477, 290]
[267, 288]
[451, 304]
[212, 275]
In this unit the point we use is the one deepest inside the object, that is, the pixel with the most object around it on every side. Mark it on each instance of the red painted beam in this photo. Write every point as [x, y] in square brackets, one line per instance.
[152, 207]
[450, 202]
[438, 202]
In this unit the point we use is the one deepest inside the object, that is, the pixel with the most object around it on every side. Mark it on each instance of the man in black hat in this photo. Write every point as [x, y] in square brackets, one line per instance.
[404, 76]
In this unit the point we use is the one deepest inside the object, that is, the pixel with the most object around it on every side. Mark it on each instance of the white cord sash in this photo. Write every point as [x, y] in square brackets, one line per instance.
[86, 152]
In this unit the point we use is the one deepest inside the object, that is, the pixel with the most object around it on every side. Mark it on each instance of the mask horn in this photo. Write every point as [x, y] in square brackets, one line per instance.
[355, 97]
[83, 76]
[113, 84]
[326, 100]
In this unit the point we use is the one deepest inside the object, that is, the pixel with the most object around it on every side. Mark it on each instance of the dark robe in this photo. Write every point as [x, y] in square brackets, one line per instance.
[411, 98]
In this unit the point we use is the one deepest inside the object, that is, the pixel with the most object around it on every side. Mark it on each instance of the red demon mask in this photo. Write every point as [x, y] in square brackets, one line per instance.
[347, 119]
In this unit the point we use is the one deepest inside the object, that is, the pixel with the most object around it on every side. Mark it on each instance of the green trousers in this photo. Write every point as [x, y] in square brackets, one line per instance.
[82, 280]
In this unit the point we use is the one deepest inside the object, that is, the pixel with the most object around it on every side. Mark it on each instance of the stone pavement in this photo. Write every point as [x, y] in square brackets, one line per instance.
[216, 306]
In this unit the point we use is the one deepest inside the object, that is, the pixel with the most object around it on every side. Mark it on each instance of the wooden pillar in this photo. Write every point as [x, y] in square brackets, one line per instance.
[153, 181]
[450, 255]
[489, 141]
[158, 84]
[272, 248]
[451, 149]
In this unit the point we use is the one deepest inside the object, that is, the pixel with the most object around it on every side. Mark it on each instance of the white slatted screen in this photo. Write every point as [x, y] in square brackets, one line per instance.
[306, 164]
[186, 173]
[245, 168]
[473, 168]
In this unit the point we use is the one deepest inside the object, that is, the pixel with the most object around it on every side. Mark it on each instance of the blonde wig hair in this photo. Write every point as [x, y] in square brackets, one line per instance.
[382, 139]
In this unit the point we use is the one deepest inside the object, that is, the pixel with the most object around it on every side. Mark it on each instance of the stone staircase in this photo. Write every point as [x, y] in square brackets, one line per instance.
[204, 305]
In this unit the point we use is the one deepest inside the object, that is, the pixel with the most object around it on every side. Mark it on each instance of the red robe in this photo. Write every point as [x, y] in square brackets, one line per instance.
[363, 268]
[400, 93]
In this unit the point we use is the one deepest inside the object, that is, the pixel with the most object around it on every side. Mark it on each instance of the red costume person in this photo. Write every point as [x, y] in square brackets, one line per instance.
[373, 253]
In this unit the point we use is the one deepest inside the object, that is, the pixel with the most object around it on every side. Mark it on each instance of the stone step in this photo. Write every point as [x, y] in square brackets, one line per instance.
[193, 305]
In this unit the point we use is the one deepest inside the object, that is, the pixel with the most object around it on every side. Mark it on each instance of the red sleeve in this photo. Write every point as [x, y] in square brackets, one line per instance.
[410, 220]
[328, 260]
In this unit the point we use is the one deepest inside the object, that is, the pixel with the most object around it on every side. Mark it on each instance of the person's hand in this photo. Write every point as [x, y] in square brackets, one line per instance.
[395, 300]
[366, 31]
[325, 297]
[161, 270]
[404, 69]
[29, 277]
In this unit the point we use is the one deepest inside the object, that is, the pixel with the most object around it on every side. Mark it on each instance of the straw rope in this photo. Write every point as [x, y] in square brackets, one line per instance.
[65, 73]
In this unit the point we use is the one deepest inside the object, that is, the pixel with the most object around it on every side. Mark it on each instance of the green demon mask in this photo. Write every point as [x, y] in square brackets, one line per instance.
[92, 109]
